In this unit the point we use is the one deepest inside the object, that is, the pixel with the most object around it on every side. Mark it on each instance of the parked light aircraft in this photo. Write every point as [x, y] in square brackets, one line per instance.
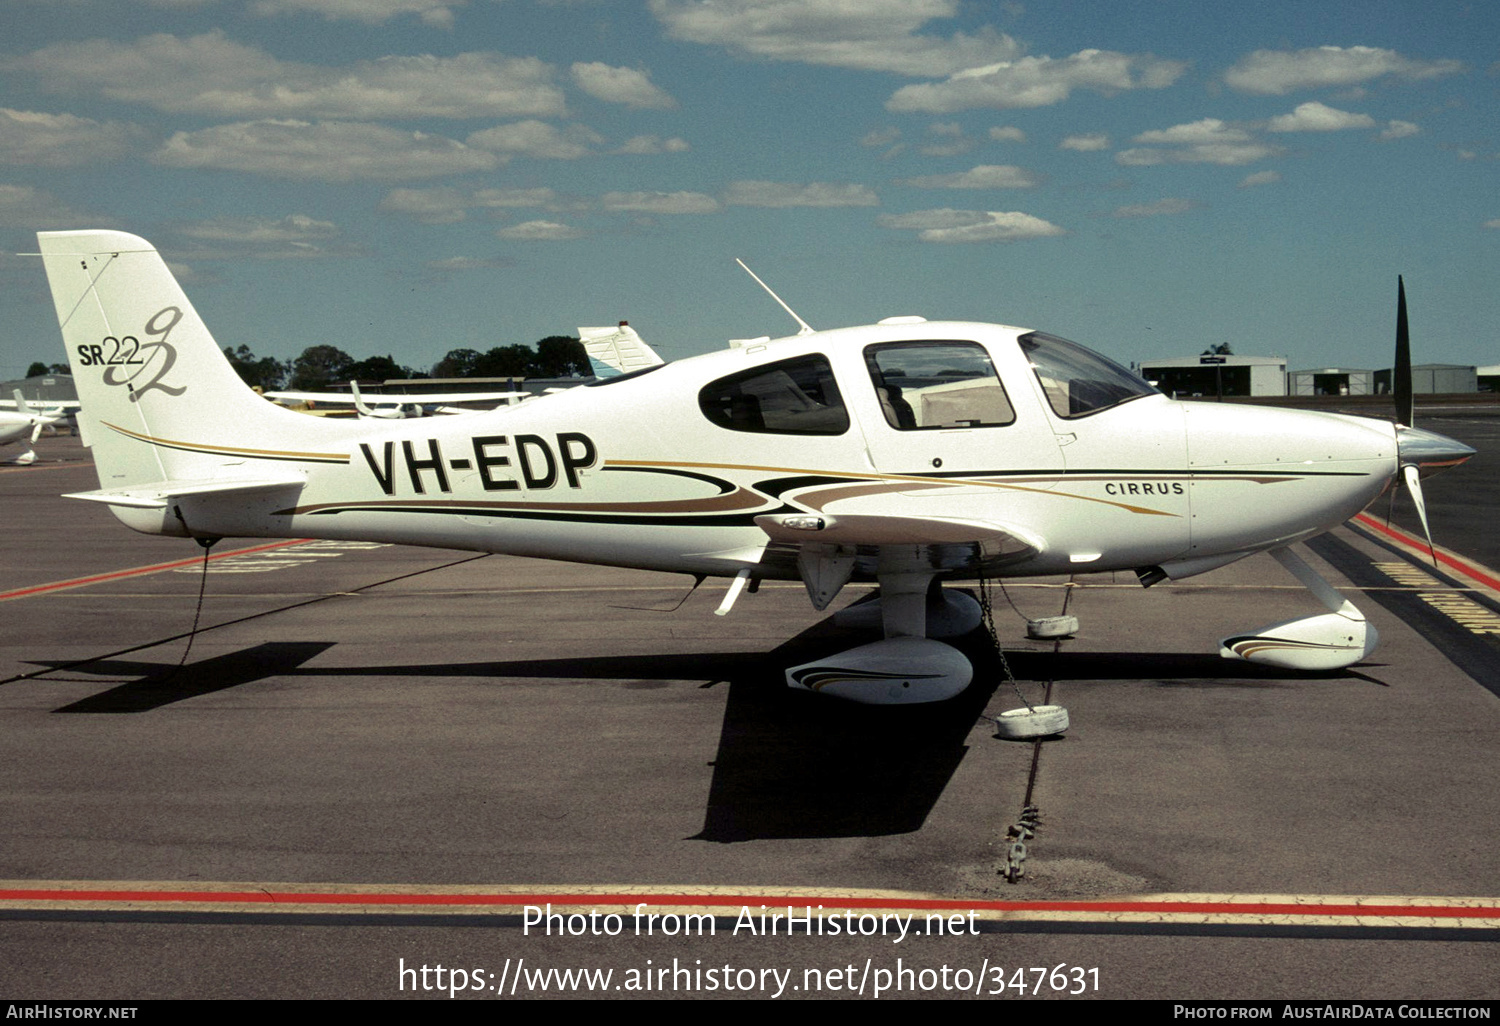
[908, 452]
[25, 425]
[353, 402]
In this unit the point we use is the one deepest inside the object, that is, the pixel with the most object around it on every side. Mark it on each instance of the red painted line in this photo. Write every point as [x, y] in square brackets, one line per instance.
[80, 582]
[1301, 909]
[1459, 566]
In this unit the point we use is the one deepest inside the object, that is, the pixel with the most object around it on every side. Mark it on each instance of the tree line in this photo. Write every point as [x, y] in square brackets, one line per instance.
[319, 367]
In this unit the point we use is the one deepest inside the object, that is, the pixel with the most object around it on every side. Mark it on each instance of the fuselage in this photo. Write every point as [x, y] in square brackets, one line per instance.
[975, 422]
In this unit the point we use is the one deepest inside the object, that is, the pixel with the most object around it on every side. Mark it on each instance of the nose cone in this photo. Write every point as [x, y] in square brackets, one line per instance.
[1429, 451]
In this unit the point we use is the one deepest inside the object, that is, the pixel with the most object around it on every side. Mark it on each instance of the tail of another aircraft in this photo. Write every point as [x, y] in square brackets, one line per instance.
[159, 400]
[617, 350]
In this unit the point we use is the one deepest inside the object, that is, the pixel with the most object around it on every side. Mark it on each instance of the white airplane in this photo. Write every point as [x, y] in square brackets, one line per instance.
[908, 452]
[343, 404]
[25, 425]
[395, 411]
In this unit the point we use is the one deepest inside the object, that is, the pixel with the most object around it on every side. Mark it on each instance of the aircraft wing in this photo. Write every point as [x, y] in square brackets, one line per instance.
[828, 549]
[617, 350]
[43, 405]
[346, 399]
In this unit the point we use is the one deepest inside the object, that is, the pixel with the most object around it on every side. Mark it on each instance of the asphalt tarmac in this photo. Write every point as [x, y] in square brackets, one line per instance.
[373, 759]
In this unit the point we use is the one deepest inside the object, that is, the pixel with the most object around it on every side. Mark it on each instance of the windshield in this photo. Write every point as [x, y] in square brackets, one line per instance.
[1078, 381]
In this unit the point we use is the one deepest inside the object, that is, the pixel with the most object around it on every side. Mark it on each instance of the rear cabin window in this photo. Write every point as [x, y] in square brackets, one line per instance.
[794, 397]
[927, 386]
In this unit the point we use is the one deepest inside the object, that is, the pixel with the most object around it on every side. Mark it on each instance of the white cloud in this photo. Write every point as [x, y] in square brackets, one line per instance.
[1160, 208]
[294, 237]
[540, 231]
[328, 151]
[881, 137]
[621, 85]
[1223, 154]
[1493, 223]
[210, 74]
[1278, 72]
[870, 35]
[1260, 178]
[648, 145]
[542, 198]
[1317, 117]
[660, 202]
[1398, 130]
[1207, 141]
[985, 176]
[430, 206]
[788, 194]
[1085, 143]
[1037, 82]
[372, 12]
[449, 205]
[59, 140]
[956, 148]
[955, 142]
[537, 139]
[1009, 133]
[1208, 130]
[260, 230]
[948, 226]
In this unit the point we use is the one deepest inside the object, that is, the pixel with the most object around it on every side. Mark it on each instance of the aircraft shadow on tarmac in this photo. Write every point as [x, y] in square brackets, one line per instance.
[790, 764]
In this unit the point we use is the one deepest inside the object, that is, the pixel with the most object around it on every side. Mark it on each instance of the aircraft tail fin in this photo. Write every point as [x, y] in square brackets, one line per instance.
[159, 399]
[617, 350]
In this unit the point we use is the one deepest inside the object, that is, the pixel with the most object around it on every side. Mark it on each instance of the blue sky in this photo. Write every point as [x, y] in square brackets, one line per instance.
[414, 176]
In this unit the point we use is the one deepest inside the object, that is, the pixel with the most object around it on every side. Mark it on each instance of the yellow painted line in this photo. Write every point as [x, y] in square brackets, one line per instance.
[727, 901]
[31, 467]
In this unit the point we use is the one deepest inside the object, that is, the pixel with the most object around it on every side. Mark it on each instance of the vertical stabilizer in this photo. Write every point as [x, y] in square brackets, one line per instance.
[617, 350]
[159, 400]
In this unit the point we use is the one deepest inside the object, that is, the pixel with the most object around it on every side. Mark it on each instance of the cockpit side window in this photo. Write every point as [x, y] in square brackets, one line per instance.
[928, 386]
[1078, 381]
[793, 397]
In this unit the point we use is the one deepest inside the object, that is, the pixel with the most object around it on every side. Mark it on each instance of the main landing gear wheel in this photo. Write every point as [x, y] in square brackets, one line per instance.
[1031, 722]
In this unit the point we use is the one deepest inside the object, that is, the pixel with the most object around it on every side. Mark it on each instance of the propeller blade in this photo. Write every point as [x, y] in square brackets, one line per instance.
[1401, 373]
[1413, 478]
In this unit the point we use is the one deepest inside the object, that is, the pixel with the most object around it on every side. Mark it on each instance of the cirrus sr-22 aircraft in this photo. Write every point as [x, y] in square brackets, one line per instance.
[908, 452]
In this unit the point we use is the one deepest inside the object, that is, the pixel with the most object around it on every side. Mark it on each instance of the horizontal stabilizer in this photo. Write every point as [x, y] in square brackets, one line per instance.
[157, 494]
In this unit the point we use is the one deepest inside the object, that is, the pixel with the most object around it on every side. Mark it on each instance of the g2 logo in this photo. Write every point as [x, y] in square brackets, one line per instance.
[137, 365]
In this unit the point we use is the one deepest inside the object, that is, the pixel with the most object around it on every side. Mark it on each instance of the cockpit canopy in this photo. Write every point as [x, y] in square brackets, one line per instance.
[920, 384]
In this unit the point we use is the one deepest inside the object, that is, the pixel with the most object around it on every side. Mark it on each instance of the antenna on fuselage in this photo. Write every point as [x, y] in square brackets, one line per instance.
[807, 329]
